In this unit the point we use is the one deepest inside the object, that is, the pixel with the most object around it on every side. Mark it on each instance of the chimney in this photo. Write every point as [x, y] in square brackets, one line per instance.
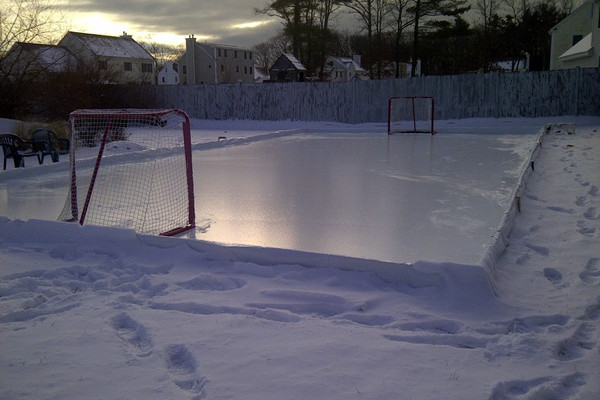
[126, 36]
[190, 59]
[357, 58]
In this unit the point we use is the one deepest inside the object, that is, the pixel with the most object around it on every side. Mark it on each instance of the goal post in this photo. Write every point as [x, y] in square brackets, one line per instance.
[411, 114]
[131, 168]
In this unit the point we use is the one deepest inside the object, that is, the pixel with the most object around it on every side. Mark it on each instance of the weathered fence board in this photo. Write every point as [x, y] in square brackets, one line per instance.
[495, 95]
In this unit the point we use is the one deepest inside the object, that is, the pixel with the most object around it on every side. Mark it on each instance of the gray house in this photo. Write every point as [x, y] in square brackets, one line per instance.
[208, 63]
[287, 68]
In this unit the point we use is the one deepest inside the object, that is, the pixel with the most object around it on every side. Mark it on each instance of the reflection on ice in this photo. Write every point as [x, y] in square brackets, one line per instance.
[399, 198]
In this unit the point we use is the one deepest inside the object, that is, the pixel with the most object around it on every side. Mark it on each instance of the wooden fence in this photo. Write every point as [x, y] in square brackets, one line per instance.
[494, 95]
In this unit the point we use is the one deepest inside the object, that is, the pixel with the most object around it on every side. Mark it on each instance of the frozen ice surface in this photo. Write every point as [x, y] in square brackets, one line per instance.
[399, 198]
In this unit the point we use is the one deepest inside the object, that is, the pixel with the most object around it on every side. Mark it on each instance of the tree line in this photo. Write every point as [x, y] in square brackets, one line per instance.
[447, 36]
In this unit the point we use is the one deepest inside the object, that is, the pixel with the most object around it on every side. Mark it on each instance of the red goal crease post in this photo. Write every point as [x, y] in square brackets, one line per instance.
[411, 114]
[131, 168]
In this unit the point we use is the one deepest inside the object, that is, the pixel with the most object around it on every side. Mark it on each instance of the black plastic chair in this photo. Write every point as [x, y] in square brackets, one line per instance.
[16, 148]
[49, 144]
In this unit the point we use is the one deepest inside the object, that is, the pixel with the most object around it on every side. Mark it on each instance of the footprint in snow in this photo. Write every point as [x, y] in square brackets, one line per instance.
[545, 387]
[555, 277]
[182, 369]
[576, 345]
[591, 271]
[135, 337]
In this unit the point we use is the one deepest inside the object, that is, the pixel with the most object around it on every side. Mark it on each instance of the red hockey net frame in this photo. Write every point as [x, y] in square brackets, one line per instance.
[416, 118]
[148, 186]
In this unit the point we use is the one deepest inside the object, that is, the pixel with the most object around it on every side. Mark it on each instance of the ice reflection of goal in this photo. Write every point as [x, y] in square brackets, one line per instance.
[131, 169]
[411, 114]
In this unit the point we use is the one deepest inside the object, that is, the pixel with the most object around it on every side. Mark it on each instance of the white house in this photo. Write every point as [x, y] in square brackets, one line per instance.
[169, 74]
[576, 39]
[208, 63]
[122, 55]
[343, 69]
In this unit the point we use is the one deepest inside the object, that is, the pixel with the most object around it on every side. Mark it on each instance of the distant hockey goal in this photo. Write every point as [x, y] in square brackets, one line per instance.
[411, 114]
[132, 169]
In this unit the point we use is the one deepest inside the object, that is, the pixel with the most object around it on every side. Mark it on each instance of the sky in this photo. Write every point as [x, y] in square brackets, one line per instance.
[230, 22]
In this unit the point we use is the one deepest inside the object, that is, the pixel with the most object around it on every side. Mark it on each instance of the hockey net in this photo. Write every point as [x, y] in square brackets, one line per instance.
[132, 169]
[411, 114]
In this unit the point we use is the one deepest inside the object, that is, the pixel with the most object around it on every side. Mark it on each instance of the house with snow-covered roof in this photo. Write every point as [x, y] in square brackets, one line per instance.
[344, 69]
[31, 61]
[576, 39]
[124, 57]
[287, 68]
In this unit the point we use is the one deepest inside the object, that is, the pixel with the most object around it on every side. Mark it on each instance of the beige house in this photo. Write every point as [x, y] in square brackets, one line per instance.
[576, 39]
[207, 63]
[124, 57]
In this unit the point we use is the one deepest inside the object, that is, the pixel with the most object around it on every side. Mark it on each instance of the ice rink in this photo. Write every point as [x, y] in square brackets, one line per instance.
[399, 198]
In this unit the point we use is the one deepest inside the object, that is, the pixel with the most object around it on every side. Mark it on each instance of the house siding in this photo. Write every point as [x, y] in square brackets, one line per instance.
[206, 63]
[580, 22]
[92, 60]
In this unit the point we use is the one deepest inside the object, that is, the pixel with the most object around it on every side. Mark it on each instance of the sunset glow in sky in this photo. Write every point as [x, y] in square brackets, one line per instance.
[222, 21]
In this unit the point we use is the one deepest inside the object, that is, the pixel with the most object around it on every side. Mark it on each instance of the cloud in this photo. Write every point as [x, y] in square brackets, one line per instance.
[227, 21]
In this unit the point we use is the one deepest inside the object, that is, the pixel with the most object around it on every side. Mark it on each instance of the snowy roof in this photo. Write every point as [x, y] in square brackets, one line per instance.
[347, 63]
[55, 58]
[297, 64]
[112, 46]
[583, 48]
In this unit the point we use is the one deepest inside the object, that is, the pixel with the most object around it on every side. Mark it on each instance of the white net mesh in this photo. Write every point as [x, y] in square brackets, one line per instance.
[410, 114]
[131, 169]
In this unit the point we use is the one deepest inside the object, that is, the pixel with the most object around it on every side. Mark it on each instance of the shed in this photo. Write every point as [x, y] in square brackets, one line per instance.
[287, 68]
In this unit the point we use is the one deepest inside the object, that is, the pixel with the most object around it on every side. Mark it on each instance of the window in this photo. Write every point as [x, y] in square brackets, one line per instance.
[246, 70]
[147, 67]
[184, 69]
[576, 38]
[225, 53]
[127, 66]
[102, 64]
[163, 79]
[222, 68]
[250, 55]
[245, 56]
[250, 70]
[235, 54]
[219, 52]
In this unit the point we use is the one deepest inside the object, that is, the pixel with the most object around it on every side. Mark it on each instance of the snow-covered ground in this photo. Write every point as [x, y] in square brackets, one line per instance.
[103, 313]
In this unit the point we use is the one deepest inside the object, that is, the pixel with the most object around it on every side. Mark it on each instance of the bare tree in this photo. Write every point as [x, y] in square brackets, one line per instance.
[28, 21]
[372, 14]
[266, 53]
[22, 23]
[162, 52]
[400, 19]
[487, 9]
